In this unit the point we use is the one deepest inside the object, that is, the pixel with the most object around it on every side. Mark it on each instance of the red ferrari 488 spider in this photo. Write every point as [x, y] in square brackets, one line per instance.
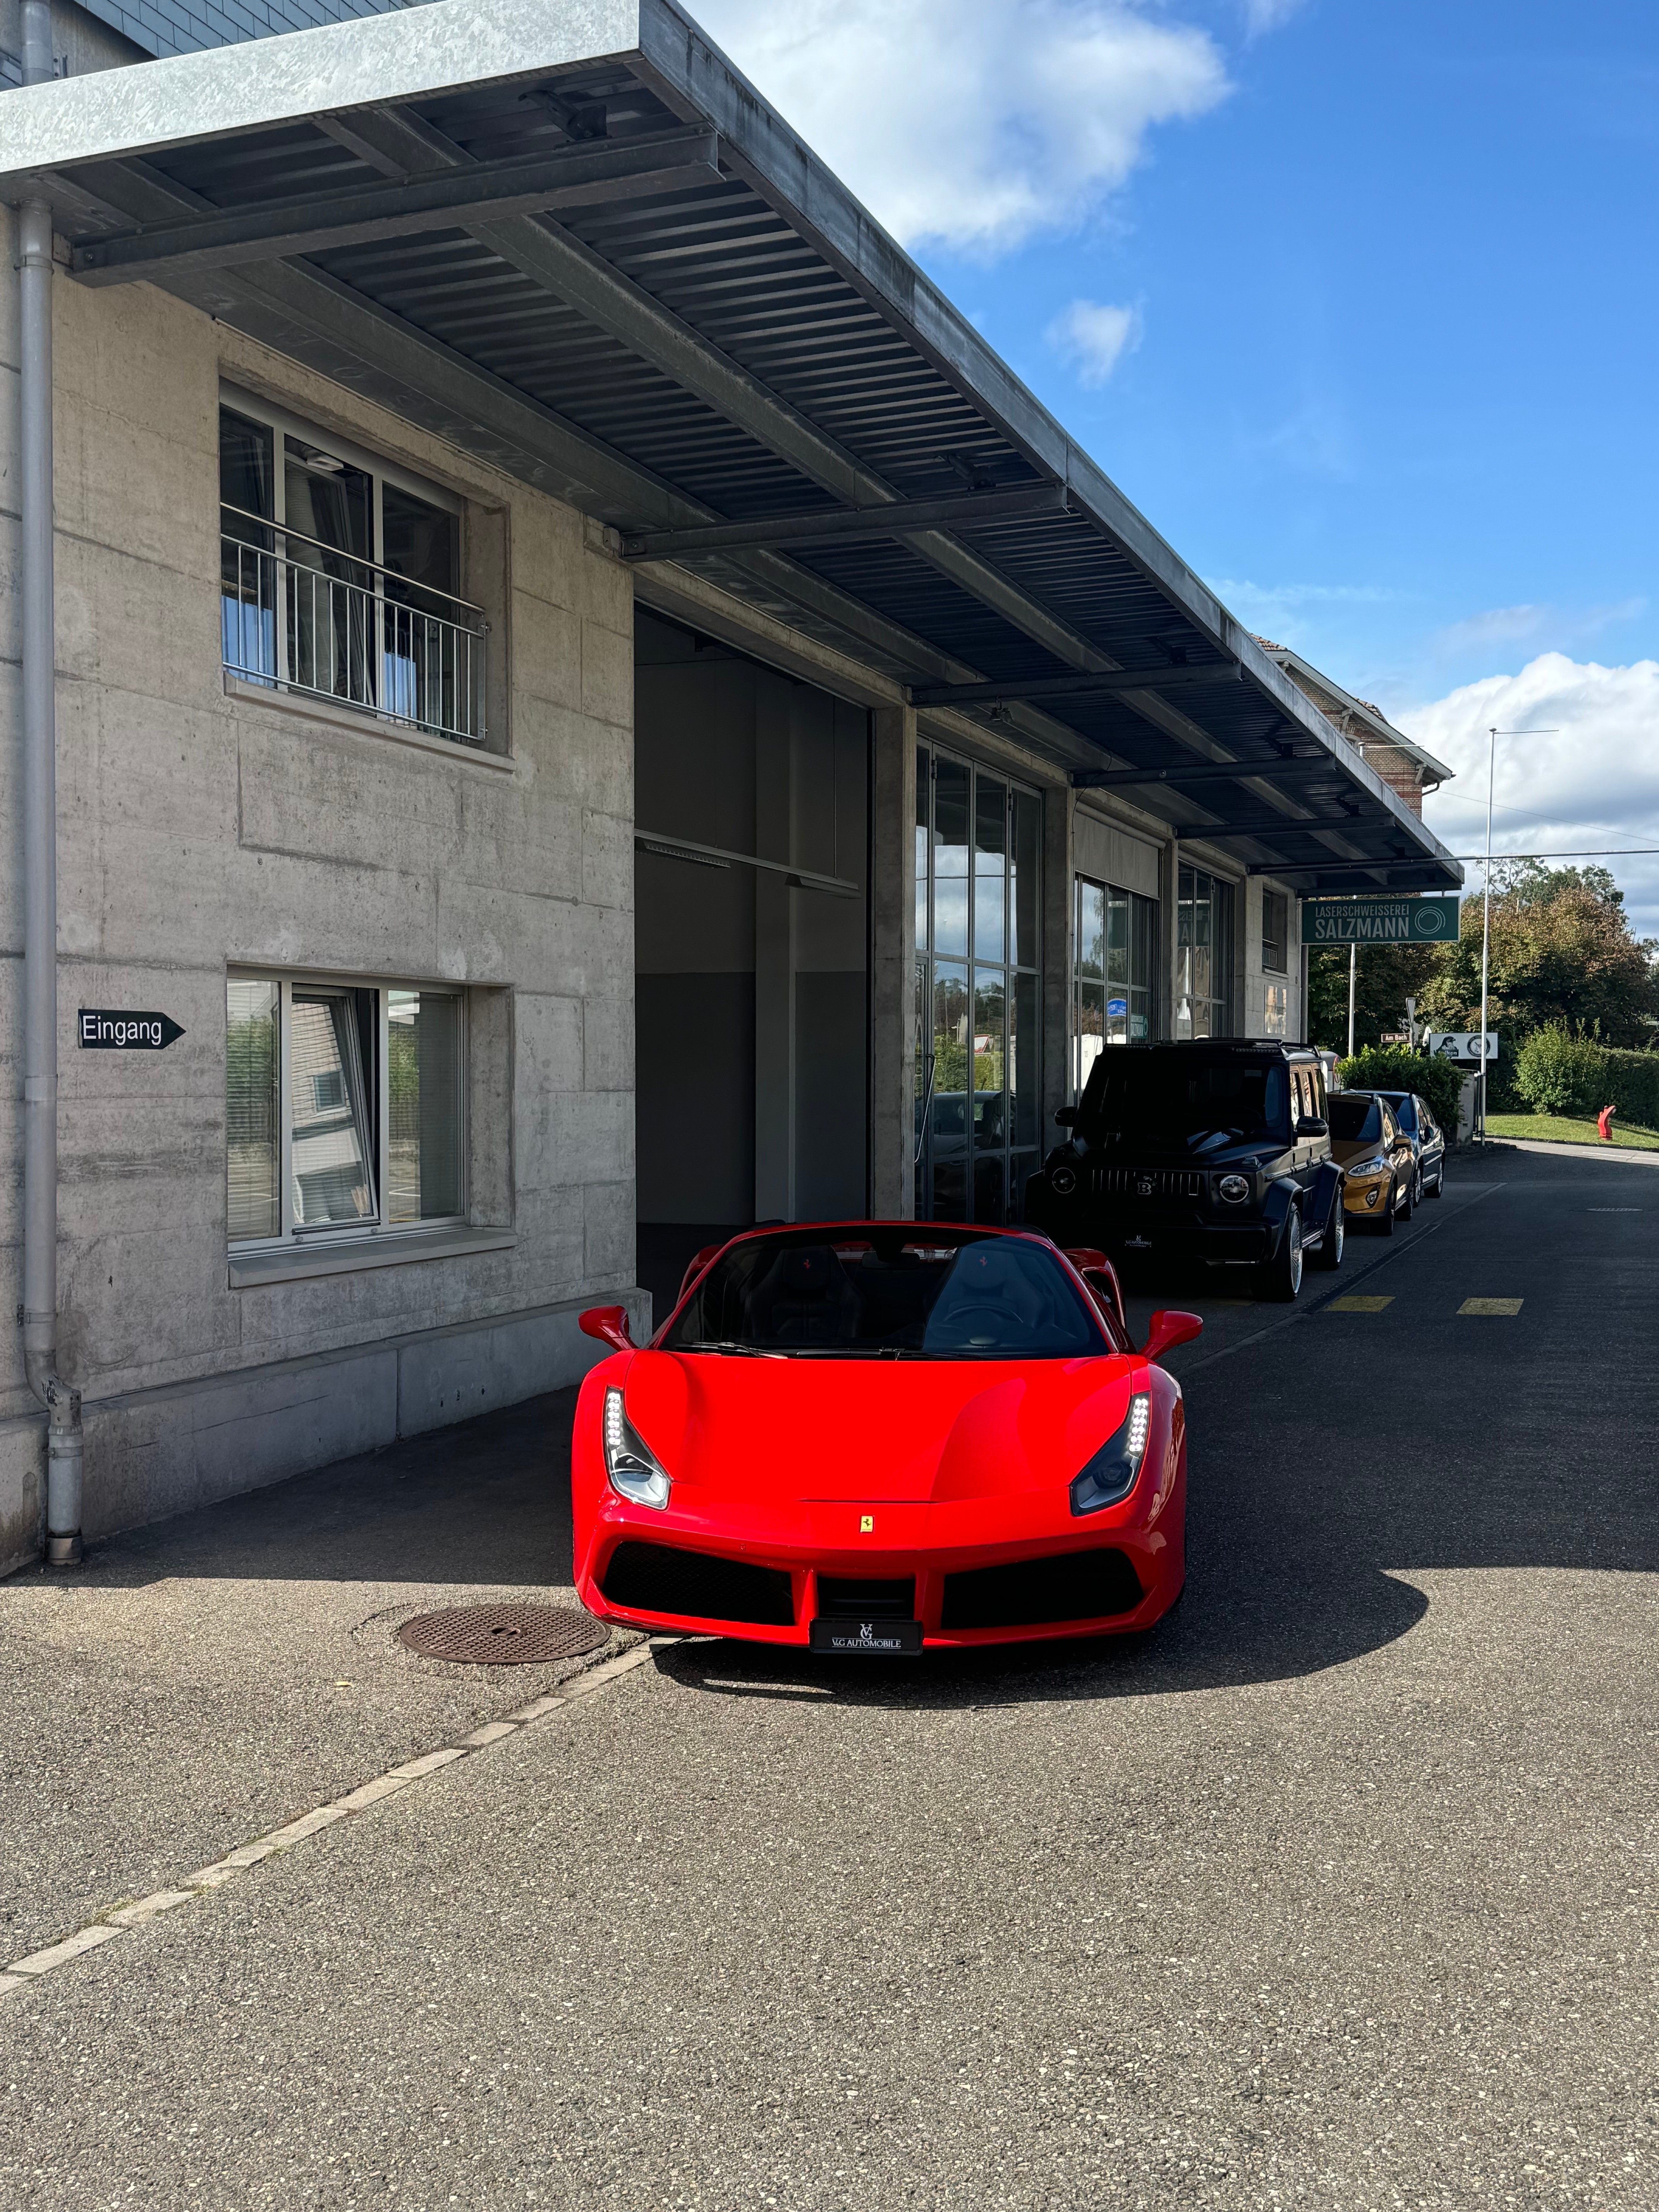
[881, 1437]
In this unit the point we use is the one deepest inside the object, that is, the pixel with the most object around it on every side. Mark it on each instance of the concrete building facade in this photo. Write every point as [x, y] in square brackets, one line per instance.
[535, 902]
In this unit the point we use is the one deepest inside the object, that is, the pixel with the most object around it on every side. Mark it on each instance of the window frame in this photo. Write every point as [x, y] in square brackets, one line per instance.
[378, 1227]
[375, 467]
[1016, 964]
[1140, 951]
[1218, 896]
[346, 631]
[1281, 942]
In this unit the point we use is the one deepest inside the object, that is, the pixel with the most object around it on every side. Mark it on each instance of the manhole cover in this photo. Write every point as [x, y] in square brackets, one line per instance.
[504, 1635]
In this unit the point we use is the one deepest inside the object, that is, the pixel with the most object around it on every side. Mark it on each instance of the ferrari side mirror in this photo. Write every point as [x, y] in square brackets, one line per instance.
[1168, 1329]
[609, 1325]
[1065, 1117]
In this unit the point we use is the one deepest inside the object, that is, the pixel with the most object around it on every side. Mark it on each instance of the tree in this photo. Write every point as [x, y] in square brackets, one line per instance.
[1562, 951]
[1388, 975]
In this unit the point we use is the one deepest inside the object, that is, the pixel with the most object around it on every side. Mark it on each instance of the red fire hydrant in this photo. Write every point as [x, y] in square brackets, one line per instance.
[1604, 1124]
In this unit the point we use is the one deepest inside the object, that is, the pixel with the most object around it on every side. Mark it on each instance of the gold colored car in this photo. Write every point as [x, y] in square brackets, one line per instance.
[1376, 1156]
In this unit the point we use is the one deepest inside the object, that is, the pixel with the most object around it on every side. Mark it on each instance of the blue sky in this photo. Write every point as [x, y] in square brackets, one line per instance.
[1355, 301]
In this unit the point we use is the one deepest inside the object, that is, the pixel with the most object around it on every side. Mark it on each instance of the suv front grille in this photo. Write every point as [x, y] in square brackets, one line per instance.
[1149, 1184]
[662, 1578]
[846, 1596]
[1072, 1586]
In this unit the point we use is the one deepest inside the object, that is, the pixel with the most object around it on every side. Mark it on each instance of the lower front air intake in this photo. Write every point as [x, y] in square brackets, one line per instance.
[696, 1585]
[1072, 1586]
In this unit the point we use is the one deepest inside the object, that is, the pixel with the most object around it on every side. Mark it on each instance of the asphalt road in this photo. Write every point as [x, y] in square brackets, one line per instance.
[1336, 1892]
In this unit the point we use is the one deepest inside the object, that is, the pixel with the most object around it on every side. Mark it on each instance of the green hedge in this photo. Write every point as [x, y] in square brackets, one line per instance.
[1559, 1070]
[1382, 1067]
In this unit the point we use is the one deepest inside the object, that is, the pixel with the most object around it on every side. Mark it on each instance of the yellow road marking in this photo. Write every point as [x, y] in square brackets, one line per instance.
[1491, 1306]
[1358, 1305]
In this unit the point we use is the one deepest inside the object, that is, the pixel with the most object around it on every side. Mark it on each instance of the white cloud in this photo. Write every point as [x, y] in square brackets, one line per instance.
[973, 123]
[1093, 338]
[1262, 16]
[1298, 615]
[1529, 625]
[1239, 592]
[1594, 784]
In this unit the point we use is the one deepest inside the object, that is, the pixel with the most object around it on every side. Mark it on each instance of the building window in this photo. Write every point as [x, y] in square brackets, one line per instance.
[979, 991]
[1275, 931]
[1204, 941]
[1276, 1013]
[343, 1109]
[338, 577]
[1113, 934]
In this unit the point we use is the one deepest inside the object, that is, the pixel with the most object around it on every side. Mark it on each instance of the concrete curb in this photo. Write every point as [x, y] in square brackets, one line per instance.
[23, 1973]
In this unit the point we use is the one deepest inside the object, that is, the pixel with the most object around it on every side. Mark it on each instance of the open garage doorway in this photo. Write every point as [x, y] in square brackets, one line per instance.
[752, 949]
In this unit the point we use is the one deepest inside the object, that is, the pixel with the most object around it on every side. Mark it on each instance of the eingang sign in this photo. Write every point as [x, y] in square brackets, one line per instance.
[1379, 920]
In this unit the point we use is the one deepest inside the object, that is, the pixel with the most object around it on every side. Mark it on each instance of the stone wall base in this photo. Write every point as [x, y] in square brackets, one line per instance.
[152, 1453]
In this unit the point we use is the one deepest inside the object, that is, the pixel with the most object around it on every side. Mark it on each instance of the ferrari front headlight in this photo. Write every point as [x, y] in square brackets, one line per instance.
[634, 1471]
[1111, 1475]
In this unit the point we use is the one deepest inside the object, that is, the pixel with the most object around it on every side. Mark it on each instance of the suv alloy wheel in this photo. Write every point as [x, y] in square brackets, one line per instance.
[1329, 1254]
[1282, 1274]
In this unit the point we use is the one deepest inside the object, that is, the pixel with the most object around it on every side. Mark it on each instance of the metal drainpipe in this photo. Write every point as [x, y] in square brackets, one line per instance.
[62, 1404]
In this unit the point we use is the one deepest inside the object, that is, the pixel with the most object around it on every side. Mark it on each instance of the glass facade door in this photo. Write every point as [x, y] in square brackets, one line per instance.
[1204, 956]
[1113, 936]
[979, 991]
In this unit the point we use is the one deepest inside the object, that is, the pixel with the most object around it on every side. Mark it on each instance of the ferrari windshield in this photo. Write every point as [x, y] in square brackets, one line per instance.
[1181, 1097]
[872, 1292]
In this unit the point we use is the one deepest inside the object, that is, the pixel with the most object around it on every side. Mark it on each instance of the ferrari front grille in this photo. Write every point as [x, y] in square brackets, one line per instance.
[845, 1595]
[1072, 1586]
[697, 1586]
[1148, 1182]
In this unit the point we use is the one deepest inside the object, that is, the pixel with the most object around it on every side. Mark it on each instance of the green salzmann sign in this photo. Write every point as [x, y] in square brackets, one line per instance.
[1379, 920]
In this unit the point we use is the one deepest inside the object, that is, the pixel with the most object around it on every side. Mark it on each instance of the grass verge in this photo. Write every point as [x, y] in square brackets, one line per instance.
[1565, 1130]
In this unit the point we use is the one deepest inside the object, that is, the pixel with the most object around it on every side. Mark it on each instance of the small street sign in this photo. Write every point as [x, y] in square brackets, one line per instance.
[1379, 920]
[1460, 1044]
[102, 1029]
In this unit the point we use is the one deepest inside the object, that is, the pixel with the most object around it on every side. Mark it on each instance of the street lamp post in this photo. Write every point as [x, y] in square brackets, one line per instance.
[1492, 736]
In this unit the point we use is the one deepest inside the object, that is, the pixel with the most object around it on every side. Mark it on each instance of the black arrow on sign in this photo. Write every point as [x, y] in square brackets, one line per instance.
[106, 1029]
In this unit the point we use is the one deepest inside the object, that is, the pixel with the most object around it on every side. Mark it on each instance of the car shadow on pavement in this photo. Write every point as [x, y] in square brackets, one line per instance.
[485, 1502]
[1237, 1639]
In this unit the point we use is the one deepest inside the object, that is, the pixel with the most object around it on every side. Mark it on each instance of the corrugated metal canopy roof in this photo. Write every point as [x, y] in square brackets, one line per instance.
[578, 244]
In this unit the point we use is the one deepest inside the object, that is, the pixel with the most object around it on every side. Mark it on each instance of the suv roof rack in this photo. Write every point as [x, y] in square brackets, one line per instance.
[1237, 1044]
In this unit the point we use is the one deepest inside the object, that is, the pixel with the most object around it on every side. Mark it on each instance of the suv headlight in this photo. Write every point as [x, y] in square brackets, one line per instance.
[1062, 1181]
[1234, 1189]
[1111, 1475]
[634, 1471]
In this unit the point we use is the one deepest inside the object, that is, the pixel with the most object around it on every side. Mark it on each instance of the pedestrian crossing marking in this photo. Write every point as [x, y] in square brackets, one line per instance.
[1358, 1305]
[1491, 1306]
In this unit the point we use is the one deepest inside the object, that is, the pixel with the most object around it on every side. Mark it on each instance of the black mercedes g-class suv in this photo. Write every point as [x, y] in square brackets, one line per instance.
[1216, 1153]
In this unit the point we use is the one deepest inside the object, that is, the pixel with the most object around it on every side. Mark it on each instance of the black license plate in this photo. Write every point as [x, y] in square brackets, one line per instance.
[876, 1639]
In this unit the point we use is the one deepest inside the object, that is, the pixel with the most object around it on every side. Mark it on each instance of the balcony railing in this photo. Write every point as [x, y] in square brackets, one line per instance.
[301, 615]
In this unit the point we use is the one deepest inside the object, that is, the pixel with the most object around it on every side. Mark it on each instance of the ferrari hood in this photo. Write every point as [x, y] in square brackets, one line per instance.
[768, 1429]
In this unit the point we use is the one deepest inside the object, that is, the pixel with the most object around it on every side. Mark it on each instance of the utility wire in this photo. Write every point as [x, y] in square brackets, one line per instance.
[1604, 852]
